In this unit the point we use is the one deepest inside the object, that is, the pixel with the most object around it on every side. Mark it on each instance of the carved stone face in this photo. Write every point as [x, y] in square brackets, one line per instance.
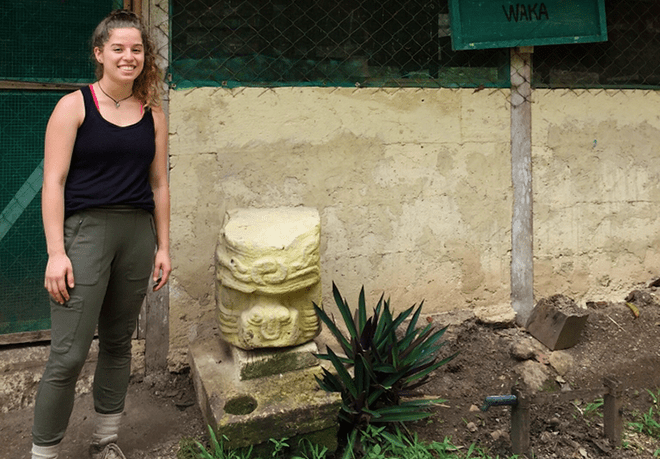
[252, 321]
[267, 276]
[265, 324]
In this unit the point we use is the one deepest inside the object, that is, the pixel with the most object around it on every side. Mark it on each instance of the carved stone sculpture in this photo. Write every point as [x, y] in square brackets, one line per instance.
[268, 274]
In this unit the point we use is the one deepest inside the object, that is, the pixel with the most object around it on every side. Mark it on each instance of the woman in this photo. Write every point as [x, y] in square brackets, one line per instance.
[105, 206]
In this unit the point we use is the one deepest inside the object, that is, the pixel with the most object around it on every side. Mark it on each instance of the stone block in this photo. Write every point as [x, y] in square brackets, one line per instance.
[252, 411]
[557, 322]
[259, 363]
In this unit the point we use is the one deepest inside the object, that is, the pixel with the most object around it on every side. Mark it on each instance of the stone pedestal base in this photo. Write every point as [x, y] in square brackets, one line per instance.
[242, 399]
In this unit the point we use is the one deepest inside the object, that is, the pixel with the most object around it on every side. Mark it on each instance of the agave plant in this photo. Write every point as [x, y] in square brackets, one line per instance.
[381, 364]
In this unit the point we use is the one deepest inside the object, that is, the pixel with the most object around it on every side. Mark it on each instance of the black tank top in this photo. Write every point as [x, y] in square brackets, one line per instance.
[110, 164]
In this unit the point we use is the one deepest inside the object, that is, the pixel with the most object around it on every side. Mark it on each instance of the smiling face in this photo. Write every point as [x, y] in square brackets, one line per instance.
[122, 55]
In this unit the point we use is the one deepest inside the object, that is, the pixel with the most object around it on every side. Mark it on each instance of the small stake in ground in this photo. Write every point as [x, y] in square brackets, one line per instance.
[520, 424]
[613, 411]
[520, 442]
[520, 416]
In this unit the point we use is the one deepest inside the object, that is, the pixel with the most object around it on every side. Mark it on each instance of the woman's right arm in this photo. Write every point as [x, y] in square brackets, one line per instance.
[60, 137]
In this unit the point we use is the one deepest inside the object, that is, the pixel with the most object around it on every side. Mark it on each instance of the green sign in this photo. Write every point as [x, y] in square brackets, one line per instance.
[481, 24]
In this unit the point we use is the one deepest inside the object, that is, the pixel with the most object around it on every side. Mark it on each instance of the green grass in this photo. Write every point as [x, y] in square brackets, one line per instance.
[375, 443]
[590, 410]
[648, 422]
[192, 449]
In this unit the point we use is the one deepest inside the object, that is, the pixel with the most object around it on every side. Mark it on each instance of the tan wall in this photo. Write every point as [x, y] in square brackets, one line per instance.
[414, 189]
[596, 192]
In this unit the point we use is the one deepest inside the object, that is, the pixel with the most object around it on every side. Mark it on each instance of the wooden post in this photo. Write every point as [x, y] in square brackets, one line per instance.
[520, 420]
[522, 263]
[157, 335]
[612, 410]
[134, 6]
[156, 311]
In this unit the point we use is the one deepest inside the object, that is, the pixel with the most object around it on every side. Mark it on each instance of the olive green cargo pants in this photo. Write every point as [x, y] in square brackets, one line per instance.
[112, 252]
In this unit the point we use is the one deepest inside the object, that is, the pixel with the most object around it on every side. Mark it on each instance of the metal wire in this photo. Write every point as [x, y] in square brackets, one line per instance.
[389, 43]
[44, 45]
[380, 44]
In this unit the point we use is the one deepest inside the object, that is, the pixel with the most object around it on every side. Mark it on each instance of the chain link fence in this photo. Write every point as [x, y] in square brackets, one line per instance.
[44, 53]
[389, 43]
[364, 43]
[629, 59]
[44, 49]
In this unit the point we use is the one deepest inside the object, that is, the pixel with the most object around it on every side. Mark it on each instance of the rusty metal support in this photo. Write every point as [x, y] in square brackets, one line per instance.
[613, 411]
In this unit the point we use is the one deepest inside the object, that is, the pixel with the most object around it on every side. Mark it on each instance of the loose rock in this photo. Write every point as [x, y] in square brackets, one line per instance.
[522, 350]
[561, 361]
[532, 373]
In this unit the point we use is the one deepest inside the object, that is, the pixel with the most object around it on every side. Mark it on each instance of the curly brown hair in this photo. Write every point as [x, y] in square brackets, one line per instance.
[146, 87]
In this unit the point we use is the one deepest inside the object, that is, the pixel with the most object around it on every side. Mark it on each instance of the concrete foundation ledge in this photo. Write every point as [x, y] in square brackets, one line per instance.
[21, 369]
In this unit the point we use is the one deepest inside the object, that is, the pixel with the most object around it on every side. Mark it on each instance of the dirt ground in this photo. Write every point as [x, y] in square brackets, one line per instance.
[566, 421]
[158, 414]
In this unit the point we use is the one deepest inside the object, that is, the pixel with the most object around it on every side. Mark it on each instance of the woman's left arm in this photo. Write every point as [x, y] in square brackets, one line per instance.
[161, 190]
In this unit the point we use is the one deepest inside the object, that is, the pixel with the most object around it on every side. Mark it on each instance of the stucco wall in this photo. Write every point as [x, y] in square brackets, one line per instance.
[414, 189]
[596, 159]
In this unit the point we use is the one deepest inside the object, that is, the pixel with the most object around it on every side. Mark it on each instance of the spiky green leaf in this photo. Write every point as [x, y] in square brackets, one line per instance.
[385, 363]
[344, 360]
[389, 330]
[330, 323]
[345, 312]
[330, 382]
[416, 344]
[404, 416]
[343, 374]
[362, 311]
[413, 321]
[375, 395]
[429, 369]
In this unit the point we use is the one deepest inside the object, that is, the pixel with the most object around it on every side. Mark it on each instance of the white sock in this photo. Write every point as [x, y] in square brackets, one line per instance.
[107, 427]
[45, 452]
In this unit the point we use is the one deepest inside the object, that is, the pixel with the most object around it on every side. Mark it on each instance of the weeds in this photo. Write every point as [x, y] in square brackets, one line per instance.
[193, 449]
[382, 444]
[279, 446]
[376, 443]
[311, 451]
[648, 423]
[590, 410]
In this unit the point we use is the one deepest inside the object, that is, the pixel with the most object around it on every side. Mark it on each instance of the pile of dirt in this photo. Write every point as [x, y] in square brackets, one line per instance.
[620, 340]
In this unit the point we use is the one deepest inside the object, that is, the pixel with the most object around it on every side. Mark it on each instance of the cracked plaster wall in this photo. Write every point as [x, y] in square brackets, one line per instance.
[414, 189]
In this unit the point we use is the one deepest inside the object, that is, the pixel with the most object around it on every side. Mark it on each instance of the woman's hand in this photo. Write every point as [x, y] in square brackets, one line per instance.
[59, 276]
[162, 269]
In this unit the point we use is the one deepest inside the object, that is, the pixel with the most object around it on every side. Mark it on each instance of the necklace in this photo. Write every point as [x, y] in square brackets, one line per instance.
[112, 98]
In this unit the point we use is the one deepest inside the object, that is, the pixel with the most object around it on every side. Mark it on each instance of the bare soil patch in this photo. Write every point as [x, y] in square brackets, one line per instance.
[615, 342]
[492, 359]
